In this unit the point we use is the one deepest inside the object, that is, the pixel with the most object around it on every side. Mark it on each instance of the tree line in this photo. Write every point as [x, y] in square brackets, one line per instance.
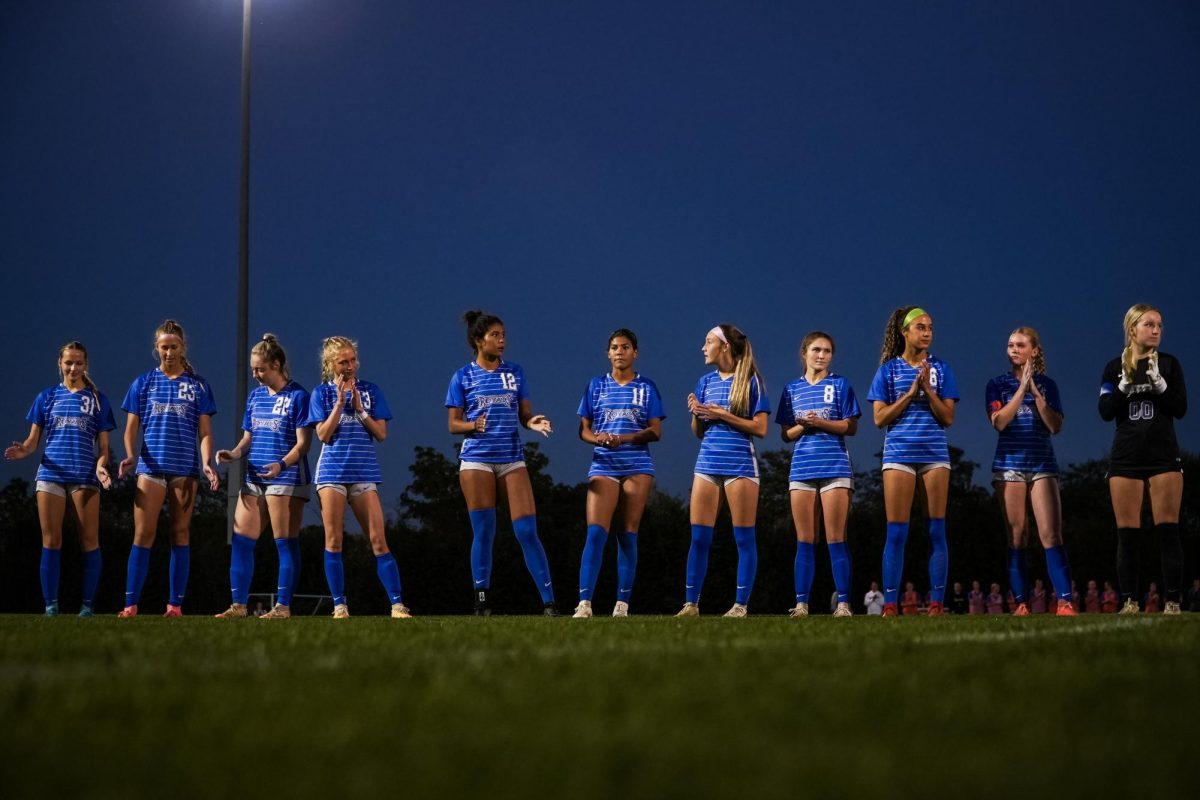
[430, 533]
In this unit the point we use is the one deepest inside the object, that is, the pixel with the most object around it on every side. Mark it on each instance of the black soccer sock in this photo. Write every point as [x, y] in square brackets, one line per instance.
[1172, 559]
[1127, 561]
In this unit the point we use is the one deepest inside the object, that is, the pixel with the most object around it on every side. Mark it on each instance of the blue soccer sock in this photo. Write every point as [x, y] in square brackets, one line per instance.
[1060, 571]
[627, 558]
[50, 571]
[593, 557]
[839, 559]
[91, 576]
[241, 567]
[335, 576]
[1017, 572]
[747, 562]
[294, 549]
[181, 564]
[697, 563]
[893, 560]
[283, 589]
[535, 557]
[804, 568]
[389, 576]
[135, 573]
[483, 526]
[939, 559]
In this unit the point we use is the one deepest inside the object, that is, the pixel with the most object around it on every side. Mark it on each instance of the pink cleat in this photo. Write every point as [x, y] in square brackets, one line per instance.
[1066, 609]
[173, 611]
[127, 612]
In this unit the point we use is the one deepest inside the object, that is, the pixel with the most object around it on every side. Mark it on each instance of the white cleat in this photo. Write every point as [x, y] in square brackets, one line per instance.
[843, 610]
[399, 611]
[1172, 608]
[621, 609]
[1130, 607]
[738, 611]
[801, 610]
[689, 610]
[341, 611]
[583, 610]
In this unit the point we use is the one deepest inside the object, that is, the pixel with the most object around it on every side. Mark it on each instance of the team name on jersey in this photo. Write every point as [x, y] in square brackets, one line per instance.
[261, 424]
[615, 414]
[71, 422]
[489, 400]
[178, 409]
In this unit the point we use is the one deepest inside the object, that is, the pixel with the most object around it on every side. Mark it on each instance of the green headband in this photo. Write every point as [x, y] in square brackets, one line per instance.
[910, 316]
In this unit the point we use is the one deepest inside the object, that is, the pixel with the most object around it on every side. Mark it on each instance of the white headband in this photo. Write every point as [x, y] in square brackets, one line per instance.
[720, 334]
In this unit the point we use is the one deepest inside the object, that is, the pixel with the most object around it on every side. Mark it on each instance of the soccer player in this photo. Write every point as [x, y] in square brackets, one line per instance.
[487, 403]
[275, 444]
[350, 415]
[728, 408]
[1024, 406]
[1143, 391]
[620, 414]
[173, 406]
[913, 395]
[76, 418]
[817, 411]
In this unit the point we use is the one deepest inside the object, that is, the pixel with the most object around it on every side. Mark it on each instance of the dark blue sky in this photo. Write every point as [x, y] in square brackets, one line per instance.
[574, 167]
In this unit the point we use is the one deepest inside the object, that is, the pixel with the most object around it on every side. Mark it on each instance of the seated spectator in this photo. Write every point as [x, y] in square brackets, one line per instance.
[1037, 599]
[910, 604]
[995, 600]
[1152, 603]
[1110, 598]
[975, 600]
[956, 603]
[1091, 598]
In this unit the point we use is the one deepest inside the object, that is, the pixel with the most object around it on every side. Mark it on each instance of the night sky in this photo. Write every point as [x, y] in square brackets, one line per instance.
[575, 167]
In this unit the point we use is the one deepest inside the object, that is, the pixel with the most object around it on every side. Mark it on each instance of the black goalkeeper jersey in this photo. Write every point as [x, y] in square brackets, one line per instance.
[1145, 437]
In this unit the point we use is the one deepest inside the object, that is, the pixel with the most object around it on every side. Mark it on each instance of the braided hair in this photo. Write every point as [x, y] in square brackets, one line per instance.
[170, 327]
[87, 379]
[1128, 359]
[893, 340]
[1035, 341]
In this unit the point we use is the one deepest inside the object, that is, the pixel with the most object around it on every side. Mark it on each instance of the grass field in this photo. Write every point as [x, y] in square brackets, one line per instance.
[645, 707]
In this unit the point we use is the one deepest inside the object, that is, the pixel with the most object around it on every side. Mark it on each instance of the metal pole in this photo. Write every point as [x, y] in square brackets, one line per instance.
[236, 469]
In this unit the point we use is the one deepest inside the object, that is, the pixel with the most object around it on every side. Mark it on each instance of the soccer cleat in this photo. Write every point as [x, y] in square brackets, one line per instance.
[173, 611]
[1130, 607]
[1022, 611]
[689, 610]
[891, 610]
[279, 611]
[549, 610]
[583, 610]
[738, 611]
[621, 609]
[1066, 609]
[801, 610]
[51, 610]
[1172, 608]
[127, 612]
[341, 611]
[235, 611]
[482, 609]
[400, 611]
[86, 612]
[843, 610]
[936, 609]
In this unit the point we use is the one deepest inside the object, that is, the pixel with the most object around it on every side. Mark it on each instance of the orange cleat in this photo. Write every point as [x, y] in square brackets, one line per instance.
[127, 612]
[1066, 609]
[891, 610]
[1022, 611]
[936, 609]
[173, 611]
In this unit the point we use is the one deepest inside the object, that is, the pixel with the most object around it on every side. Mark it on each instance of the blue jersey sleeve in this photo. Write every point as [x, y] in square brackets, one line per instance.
[106, 421]
[654, 404]
[522, 386]
[948, 385]
[759, 402]
[379, 406]
[247, 418]
[992, 399]
[455, 397]
[205, 403]
[881, 388]
[849, 401]
[586, 408]
[700, 385]
[785, 416]
[317, 412]
[1050, 390]
[132, 402]
[300, 407]
[39, 412]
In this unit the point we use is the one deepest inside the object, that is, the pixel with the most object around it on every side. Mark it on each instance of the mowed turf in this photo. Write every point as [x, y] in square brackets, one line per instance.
[645, 707]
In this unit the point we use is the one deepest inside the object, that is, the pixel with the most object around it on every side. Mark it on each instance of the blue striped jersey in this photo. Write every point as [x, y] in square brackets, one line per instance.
[723, 450]
[497, 393]
[616, 409]
[818, 454]
[272, 420]
[350, 457]
[1024, 444]
[916, 437]
[169, 410]
[70, 421]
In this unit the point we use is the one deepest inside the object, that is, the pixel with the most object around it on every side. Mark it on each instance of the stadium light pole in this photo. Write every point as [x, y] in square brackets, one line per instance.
[237, 468]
